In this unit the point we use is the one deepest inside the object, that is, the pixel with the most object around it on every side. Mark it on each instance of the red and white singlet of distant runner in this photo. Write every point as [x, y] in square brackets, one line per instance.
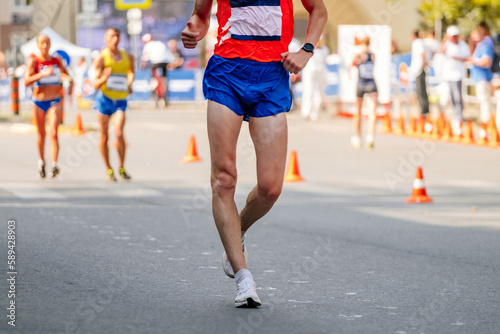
[254, 29]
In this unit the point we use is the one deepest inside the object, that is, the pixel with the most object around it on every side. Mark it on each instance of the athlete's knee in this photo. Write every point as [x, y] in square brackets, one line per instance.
[104, 137]
[41, 134]
[53, 135]
[119, 136]
[269, 192]
[223, 181]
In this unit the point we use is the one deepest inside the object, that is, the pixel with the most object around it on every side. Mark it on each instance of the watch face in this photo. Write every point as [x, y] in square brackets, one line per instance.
[308, 47]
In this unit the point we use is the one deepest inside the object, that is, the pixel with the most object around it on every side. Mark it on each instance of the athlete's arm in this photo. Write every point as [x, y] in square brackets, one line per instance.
[317, 20]
[198, 24]
[294, 62]
[101, 74]
[30, 77]
[64, 73]
[131, 73]
[355, 61]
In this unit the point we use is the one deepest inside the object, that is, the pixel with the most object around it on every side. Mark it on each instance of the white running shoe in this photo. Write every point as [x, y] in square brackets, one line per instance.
[370, 142]
[356, 142]
[53, 173]
[246, 295]
[41, 168]
[226, 264]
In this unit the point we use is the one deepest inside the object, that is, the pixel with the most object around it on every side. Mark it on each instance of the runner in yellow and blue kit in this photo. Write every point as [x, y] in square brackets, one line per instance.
[247, 79]
[114, 77]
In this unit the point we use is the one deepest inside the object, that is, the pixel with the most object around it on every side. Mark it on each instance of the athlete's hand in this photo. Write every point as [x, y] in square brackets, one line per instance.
[190, 37]
[47, 72]
[294, 62]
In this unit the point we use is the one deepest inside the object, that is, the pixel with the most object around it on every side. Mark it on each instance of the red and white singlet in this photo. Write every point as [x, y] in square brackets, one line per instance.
[254, 29]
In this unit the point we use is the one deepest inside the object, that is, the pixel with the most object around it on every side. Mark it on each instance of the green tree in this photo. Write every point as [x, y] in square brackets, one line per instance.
[464, 13]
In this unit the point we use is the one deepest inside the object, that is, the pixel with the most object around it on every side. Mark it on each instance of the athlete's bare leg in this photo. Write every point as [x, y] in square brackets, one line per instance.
[40, 125]
[270, 136]
[223, 131]
[356, 118]
[372, 117]
[54, 115]
[103, 142]
[164, 83]
[119, 124]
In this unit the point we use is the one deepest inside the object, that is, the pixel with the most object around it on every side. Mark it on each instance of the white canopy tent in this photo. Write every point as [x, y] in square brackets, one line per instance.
[57, 43]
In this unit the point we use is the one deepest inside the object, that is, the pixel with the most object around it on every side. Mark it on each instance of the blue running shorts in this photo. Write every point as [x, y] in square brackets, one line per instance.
[249, 88]
[107, 106]
[46, 105]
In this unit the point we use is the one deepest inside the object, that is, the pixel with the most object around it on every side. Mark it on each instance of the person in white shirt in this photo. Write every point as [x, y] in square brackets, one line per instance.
[431, 43]
[314, 83]
[294, 46]
[157, 53]
[419, 61]
[456, 53]
[79, 77]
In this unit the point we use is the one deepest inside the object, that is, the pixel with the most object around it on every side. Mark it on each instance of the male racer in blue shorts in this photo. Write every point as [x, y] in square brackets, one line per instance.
[114, 77]
[247, 79]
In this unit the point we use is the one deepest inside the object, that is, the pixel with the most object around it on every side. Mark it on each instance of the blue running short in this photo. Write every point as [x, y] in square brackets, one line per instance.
[107, 106]
[46, 105]
[366, 87]
[249, 88]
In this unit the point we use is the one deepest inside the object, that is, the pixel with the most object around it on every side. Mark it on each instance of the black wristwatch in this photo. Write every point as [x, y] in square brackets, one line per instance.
[308, 47]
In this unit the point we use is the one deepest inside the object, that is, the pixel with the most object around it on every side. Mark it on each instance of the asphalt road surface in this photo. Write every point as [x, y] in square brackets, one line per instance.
[341, 252]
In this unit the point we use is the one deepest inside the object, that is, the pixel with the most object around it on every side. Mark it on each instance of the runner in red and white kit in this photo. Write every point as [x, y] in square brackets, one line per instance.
[247, 79]
[44, 73]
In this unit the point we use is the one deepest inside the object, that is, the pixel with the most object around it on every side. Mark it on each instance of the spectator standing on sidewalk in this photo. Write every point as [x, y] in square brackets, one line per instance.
[177, 58]
[481, 74]
[455, 54]
[431, 43]
[419, 62]
[157, 53]
[314, 82]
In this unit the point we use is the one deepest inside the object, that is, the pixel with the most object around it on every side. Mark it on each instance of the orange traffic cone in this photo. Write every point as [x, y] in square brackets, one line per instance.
[482, 138]
[437, 131]
[447, 132]
[457, 133]
[192, 153]
[420, 127]
[78, 127]
[412, 128]
[441, 123]
[428, 128]
[491, 123]
[494, 139]
[419, 194]
[292, 172]
[400, 126]
[468, 138]
[387, 128]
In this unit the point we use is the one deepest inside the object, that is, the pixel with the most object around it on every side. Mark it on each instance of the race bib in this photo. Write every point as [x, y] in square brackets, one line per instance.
[53, 79]
[117, 83]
